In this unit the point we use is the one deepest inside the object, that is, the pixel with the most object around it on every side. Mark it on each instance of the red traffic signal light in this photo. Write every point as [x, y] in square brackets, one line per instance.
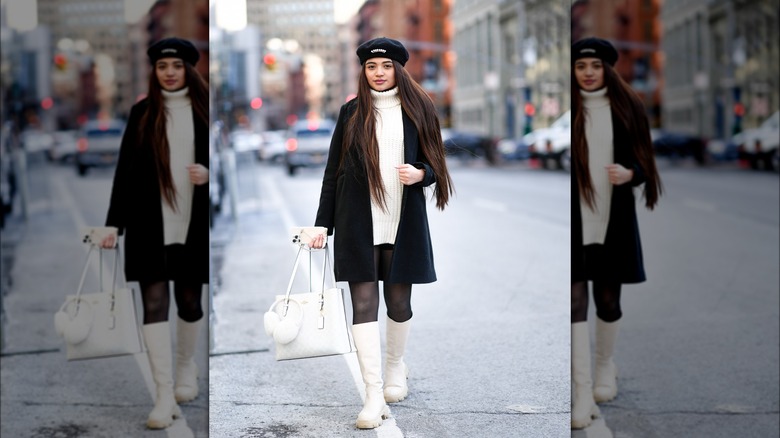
[270, 61]
[256, 103]
[60, 61]
[529, 109]
[739, 109]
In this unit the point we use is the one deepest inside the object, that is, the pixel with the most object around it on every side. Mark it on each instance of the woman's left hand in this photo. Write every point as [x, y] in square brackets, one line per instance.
[618, 174]
[409, 174]
[199, 174]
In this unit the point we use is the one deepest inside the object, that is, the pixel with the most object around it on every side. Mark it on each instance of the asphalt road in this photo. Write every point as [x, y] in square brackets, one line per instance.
[489, 347]
[44, 395]
[699, 345]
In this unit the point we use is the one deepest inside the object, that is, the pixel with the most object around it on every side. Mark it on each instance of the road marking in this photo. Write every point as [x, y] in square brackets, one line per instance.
[699, 205]
[179, 428]
[388, 429]
[487, 204]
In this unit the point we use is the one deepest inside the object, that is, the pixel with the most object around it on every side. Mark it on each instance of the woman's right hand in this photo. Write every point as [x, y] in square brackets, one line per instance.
[108, 242]
[318, 242]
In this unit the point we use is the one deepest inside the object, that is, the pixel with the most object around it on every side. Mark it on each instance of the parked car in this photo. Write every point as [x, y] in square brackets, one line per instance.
[308, 143]
[98, 144]
[760, 146]
[515, 150]
[552, 145]
[64, 147]
[719, 149]
[36, 141]
[678, 145]
[274, 147]
[468, 145]
[245, 140]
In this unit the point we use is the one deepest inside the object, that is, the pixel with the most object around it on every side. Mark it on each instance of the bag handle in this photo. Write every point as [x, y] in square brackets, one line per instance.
[117, 256]
[325, 263]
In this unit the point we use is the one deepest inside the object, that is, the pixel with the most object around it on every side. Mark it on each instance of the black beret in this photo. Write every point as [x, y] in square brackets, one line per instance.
[594, 48]
[382, 48]
[173, 48]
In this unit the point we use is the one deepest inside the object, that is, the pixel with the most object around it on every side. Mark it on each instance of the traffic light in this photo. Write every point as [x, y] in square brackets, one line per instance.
[60, 61]
[270, 61]
[529, 109]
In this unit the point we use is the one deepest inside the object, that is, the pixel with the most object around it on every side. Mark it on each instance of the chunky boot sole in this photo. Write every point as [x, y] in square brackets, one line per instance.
[395, 393]
[603, 393]
[186, 394]
[186, 388]
[373, 422]
[581, 423]
[155, 423]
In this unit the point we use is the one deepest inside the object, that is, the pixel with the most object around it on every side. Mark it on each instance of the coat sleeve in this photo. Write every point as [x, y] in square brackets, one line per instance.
[117, 207]
[327, 208]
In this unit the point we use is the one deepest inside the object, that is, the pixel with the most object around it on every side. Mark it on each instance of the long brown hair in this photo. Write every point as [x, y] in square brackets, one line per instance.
[630, 113]
[415, 102]
[152, 127]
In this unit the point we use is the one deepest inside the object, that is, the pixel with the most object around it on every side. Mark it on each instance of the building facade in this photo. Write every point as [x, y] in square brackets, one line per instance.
[722, 69]
[512, 70]
[312, 26]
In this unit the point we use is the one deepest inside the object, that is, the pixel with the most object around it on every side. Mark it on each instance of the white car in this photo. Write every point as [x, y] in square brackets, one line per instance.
[552, 145]
[762, 144]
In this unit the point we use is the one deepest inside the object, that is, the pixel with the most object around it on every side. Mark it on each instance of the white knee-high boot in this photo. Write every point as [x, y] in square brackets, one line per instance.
[605, 386]
[369, 355]
[158, 343]
[396, 371]
[186, 388]
[583, 409]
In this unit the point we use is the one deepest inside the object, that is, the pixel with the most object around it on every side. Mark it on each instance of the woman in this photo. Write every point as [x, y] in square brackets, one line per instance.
[612, 154]
[159, 201]
[385, 149]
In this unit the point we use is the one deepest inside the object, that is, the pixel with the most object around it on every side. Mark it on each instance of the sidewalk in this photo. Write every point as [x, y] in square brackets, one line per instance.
[44, 394]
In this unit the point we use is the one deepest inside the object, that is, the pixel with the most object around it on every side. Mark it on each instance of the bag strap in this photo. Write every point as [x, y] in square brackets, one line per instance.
[325, 263]
[117, 256]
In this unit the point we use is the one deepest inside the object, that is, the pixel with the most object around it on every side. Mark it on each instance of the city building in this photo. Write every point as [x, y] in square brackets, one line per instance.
[512, 65]
[722, 65]
[311, 26]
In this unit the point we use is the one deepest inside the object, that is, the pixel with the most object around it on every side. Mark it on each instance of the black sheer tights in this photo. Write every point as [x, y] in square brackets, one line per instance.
[606, 296]
[156, 300]
[365, 295]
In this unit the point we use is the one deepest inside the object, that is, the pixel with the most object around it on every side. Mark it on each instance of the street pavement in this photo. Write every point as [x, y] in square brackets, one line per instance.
[44, 395]
[489, 346]
[698, 349]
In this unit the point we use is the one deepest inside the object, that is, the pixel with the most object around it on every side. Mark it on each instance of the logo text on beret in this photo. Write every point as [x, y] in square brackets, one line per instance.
[378, 50]
[588, 50]
[168, 51]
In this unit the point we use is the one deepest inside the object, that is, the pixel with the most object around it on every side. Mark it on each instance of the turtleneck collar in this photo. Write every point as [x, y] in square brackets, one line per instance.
[177, 99]
[595, 99]
[386, 99]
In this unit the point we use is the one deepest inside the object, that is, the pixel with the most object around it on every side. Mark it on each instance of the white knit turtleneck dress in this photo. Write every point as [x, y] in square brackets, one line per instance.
[181, 140]
[390, 137]
[598, 133]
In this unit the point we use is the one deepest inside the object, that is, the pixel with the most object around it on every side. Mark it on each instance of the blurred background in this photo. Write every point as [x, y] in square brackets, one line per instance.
[707, 71]
[700, 340]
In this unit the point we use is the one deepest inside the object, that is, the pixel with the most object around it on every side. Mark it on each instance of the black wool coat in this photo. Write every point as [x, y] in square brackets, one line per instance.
[345, 207]
[622, 252]
[136, 207]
